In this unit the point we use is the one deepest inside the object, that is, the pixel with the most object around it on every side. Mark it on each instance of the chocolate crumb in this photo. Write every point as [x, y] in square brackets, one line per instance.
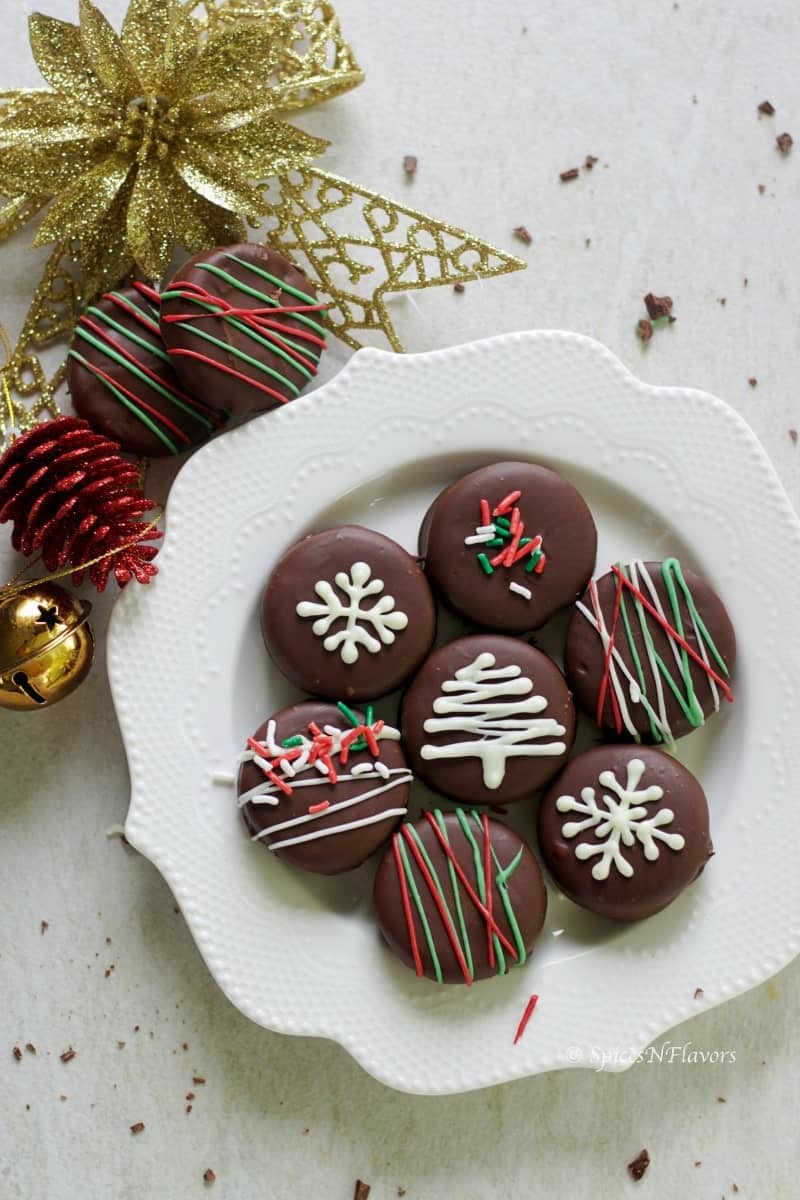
[108, 941]
[588, 243]
[766, 108]
[136, 1028]
[198, 1079]
[590, 160]
[752, 381]
[208, 1176]
[185, 1046]
[459, 287]
[644, 330]
[27, 1108]
[62, 1097]
[761, 189]
[401, 1191]
[188, 1108]
[793, 435]
[722, 300]
[698, 1163]
[745, 281]
[362, 1190]
[566, 176]
[637, 1168]
[784, 142]
[697, 992]
[137, 1128]
[120, 1045]
[657, 306]
[410, 164]
[44, 926]
[519, 231]
[29, 1046]
[721, 1100]
[17, 1053]
[306, 1131]
[735, 1187]
[68, 1055]
[190, 1095]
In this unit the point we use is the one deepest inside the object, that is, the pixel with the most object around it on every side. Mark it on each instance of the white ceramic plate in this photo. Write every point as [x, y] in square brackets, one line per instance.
[666, 471]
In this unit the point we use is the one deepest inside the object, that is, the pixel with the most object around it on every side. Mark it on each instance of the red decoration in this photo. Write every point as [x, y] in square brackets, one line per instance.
[526, 1016]
[72, 497]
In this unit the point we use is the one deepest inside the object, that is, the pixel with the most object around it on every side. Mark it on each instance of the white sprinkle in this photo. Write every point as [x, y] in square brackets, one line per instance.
[287, 767]
[223, 777]
[382, 769]
[478, 538]
[520, 590]
[485, 529]
[362, 769]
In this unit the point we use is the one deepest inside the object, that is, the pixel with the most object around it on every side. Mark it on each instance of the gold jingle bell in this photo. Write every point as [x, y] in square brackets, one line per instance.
[46, 645]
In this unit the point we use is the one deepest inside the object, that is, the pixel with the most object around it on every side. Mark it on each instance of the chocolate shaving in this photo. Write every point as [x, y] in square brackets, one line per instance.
[44, 926]
[637, 1168]
[209, 1176]
[752, 381]
[721, 1100]
[120, 1045]
[657, 306]
[29, 1046]
[698, 1163]
[566, 176]
[697, 993]
[17, 1053]
[459, 287]
[761, 189]
[793, 435]
[590, 160]
[410, 164]
[644, 330]
[190, 1096]
[766, 108]
[137, 1128]
[401, 1191]
[198, 1079]
[785, 142]
[362, 1190]
[722, 300]
[68, 1055]
[521, 232]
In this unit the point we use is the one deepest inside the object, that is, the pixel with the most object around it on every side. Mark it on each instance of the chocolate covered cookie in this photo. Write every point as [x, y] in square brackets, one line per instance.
[509, 545]
[650, 651]
[487, 720]
[122, 381]
[459, 897]
[623, 830]
[348, 613]
[323, 786]
[243, 328]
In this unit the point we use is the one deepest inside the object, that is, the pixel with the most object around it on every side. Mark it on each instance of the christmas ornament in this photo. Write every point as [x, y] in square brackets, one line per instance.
[71, 497]
[46, 645]
[170, 134]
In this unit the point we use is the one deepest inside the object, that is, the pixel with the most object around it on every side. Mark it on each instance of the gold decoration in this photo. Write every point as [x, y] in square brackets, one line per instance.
[46, 645]
[170, 134]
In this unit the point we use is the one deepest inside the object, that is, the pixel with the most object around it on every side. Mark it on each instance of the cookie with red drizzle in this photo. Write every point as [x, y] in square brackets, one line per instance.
[243, 328]
[122, 381]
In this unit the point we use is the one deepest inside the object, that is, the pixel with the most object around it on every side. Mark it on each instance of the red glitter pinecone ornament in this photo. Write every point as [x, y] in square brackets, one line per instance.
[72, 497]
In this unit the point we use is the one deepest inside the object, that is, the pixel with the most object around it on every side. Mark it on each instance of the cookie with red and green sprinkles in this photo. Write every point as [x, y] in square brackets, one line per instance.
[509, 545]
[459, 896]
[122, 381]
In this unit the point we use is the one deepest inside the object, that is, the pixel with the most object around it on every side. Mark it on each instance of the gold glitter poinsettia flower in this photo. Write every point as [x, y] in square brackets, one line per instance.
[150, 139]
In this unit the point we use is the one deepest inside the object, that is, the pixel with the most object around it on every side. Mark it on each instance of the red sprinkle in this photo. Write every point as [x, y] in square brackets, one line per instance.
[506, 504]
[412, 936]
[440, 905]
[526, 1016]
[317, 808]
[486, 518]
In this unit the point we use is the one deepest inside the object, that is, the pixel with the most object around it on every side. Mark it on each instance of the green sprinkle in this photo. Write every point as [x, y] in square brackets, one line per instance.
[348, 712]
[525, 541]
[297, 740]
[487, 566]
[370, 717]
[503, 522]
[532, 561]
[498, 541]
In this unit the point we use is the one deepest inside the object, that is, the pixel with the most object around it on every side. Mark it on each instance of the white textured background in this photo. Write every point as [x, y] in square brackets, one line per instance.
[495, 100]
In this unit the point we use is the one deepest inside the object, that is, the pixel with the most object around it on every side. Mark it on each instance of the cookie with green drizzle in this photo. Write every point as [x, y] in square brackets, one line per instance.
[459, 896]
[122, 381]
[243, 328]
[650, 651]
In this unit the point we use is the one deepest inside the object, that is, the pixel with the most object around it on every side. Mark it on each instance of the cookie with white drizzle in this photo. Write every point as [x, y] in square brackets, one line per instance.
[624, 829]
[488, 719]
[348, 614]
[322, 786]
[509, 545]
[650, 651]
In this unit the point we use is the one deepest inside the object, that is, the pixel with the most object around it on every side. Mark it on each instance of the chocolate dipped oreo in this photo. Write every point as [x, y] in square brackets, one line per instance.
[348, 613]
[322, 786]
[122, 382]
[623, 830]
[509, 545]
[459, 897]
[650, 651]
[487, 720]
[243, 328]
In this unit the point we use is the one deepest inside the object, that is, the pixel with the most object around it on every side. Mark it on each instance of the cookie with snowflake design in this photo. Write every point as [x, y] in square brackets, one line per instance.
[348, 614]
[624, 829]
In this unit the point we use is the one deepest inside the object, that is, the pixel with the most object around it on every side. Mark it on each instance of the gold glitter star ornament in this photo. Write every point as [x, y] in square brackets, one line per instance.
[150, 139]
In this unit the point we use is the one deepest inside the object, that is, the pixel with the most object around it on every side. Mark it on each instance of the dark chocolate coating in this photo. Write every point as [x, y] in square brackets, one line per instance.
[584, 656]
[653, 884]
[338, 852]
[240, 394]
[549, 506]
[94, 400]
[300, 653]
[526, 894]
[462, 778]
